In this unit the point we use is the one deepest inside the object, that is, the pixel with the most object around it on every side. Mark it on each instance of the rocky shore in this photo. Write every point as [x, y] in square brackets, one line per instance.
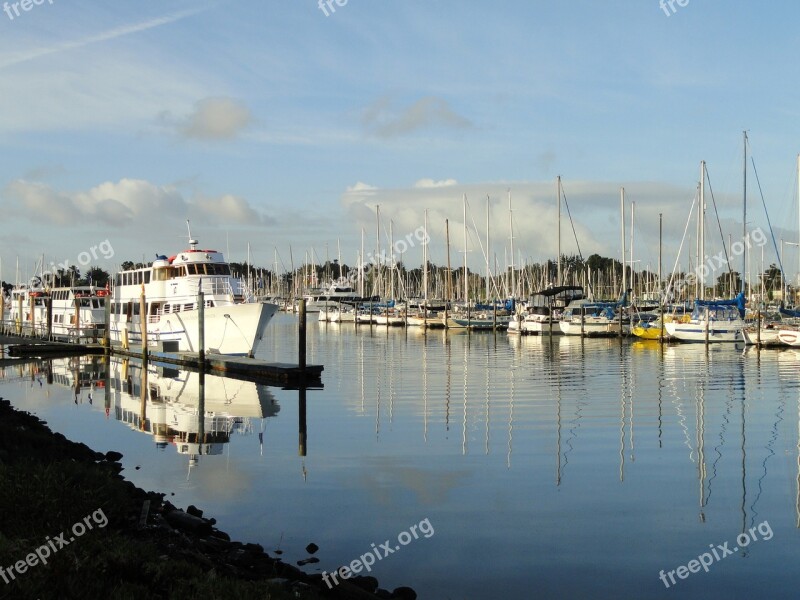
[71, 526]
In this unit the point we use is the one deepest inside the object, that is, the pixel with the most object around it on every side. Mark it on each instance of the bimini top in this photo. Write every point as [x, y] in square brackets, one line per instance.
[739, 302]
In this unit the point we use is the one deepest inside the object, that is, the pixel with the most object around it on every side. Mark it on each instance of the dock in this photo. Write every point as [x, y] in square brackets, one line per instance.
[241, 367]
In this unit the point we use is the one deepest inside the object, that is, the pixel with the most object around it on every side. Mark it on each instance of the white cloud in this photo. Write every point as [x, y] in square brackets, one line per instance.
[214, 119]
[430, 183]
[126, 203]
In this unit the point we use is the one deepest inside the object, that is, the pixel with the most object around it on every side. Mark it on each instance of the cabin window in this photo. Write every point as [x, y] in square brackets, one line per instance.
[136, 308]
[161, 274]
[188, 306]
[192, 269]
[147, 276]
[118, 279]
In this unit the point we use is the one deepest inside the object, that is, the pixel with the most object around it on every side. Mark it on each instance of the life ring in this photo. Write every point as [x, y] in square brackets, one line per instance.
[102, 293]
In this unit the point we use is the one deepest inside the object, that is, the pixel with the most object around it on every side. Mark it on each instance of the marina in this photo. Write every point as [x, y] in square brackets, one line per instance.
[656, 451]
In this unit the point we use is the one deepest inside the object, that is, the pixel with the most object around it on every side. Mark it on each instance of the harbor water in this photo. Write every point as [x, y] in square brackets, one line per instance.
[495, 466]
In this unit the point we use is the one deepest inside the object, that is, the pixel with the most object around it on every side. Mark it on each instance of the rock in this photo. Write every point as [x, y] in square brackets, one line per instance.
[194, 511]
[365, 582]
[404, 593]
[180, 520]
[308, 561]
[113, 456]
[312, 548]
[220, 534]
[383, 594]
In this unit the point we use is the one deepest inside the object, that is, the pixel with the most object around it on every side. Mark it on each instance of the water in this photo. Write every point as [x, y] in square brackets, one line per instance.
[571, 469]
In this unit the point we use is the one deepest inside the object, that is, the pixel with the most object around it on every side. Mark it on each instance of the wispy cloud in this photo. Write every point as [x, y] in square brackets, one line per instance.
[123, 30]
[381, 119]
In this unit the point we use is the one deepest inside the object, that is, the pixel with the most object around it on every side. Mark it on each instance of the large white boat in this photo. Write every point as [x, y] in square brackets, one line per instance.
[234, 322]
[76, 313]
[712, 320]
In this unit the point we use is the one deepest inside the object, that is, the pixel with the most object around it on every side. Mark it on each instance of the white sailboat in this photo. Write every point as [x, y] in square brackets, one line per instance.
[720, 320]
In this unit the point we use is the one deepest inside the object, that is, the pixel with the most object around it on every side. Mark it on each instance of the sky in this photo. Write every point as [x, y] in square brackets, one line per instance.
[281, 125]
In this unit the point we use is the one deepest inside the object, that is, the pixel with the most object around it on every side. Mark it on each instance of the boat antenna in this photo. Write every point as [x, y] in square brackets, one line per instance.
[192, 241]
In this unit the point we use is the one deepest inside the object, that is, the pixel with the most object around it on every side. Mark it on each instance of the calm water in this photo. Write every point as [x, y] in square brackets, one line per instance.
[546, 470]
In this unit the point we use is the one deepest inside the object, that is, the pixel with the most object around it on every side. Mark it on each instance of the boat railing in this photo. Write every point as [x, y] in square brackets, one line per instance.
[215, 286]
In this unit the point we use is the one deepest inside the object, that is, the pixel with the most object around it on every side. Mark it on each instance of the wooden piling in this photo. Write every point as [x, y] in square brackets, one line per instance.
[33, 315]
[301, 337]
[143, 325]
[201, 327]
[77, 320]
[49, 316]
[107, 321]
[758, 329]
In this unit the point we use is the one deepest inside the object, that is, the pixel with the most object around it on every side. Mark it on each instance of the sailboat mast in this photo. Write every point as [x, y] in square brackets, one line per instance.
[488, 271]
[392, 258]
[466, 280]
[511, 228]
[744, 210]
[633, 265]
[378, 247]
[702, 237]
[361, 267]
[558, 205]
[622, 223]
[425, 263]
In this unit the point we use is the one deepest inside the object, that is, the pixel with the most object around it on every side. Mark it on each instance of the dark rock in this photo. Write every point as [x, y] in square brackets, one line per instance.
[383, 594]
[180, 520]
[220, 534]
[194, 511]
[254, 548]
[365, 582]
[308, 561]
[404, 593]
[312, 548]
[113, 456]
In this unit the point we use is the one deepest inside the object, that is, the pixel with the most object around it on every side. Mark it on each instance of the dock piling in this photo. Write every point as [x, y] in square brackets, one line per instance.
[301, 337]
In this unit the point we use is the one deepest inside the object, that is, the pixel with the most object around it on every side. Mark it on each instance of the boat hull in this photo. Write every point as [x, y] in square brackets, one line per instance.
[696, 332]
[235, 330]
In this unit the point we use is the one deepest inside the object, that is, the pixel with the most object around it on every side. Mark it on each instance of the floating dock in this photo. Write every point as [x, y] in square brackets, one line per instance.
[238, 366]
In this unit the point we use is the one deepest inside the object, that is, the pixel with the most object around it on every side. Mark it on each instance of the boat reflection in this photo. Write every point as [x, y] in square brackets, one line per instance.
[195, 413]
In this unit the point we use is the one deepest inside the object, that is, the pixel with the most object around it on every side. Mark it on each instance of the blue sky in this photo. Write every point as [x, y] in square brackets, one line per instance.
[274, 124]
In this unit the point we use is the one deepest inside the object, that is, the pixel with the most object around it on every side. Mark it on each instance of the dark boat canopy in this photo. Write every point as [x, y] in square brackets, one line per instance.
[555, 291]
